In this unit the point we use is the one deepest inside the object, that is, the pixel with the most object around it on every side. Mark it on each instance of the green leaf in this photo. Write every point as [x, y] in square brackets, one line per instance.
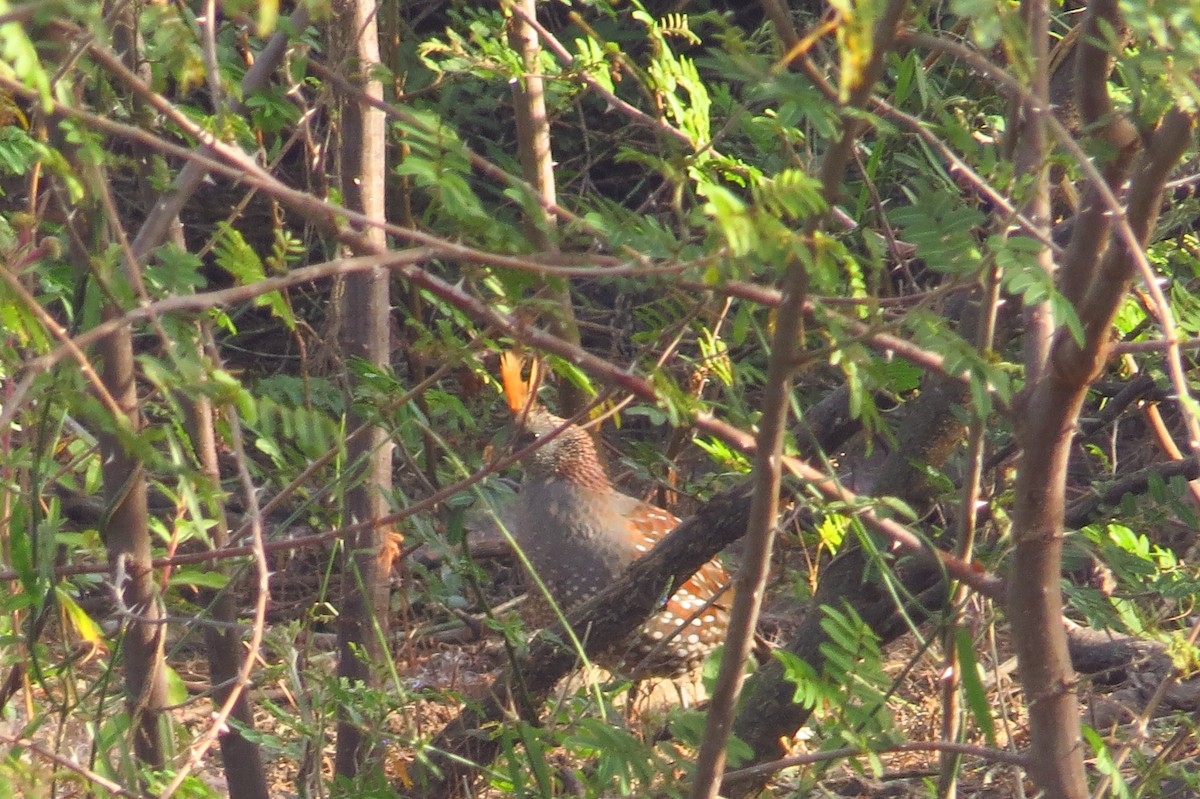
[972, 685]
[87, 629]
[943, 230]
[983, 18]
[21, 549]
[809, 687]
[268, 16]
[20, 53]
[730, 214]
[1104, 762]
[239, 259]
[177, 692]
[199, 578]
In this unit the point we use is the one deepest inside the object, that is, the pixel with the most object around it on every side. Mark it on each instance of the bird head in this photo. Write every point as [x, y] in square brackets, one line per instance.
[566, 452]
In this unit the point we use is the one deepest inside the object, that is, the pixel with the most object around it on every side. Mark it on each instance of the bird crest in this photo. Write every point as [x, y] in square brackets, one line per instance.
[520, 393]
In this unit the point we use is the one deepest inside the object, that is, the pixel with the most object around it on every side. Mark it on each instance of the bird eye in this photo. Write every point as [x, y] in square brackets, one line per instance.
[524, 439]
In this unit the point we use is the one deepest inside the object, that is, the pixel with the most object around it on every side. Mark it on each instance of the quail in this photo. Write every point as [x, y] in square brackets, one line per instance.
[579, 534]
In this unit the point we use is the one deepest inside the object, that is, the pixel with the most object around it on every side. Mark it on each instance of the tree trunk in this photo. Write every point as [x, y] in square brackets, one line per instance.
[127, 535]
[239, 755]
[363, 619]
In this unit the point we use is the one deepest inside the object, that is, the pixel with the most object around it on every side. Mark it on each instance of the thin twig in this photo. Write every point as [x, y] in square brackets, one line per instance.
[983, 752]
[100, 780]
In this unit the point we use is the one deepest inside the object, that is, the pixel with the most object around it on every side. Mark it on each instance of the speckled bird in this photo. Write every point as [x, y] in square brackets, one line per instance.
[579, 534]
